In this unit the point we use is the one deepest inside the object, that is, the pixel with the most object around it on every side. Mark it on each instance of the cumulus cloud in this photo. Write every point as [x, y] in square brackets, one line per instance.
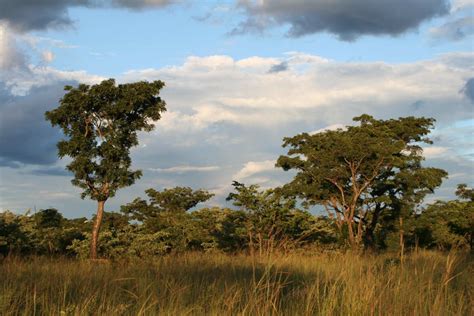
[19, 75]
[346, 19]
[208, 90]
[226, 117]
[217, 102]
[254, 167]
[12, 59]
[29, 15]
[232, 113]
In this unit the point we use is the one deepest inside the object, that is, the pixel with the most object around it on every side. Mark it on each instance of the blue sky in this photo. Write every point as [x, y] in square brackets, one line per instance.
[112, 41]
[240, 76]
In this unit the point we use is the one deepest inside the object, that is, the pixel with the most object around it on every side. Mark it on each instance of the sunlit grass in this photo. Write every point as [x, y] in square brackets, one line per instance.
[427, 283]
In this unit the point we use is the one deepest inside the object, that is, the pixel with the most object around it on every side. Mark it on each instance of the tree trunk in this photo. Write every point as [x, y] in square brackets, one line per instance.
[369, 238]
[402, 241]
[96, 229]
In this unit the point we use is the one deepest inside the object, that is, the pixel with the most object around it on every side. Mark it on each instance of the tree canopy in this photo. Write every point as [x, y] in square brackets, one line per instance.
[100, 123]
[177, 199]
[362, 174]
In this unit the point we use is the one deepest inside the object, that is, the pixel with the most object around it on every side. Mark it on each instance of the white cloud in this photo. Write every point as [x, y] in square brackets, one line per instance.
[11, 57]
[226, 118]
[184, 169]
[331, 127]
[435, 151]
[37, 76]
[17, 72]
[235, 113]
[254, 167]
[206, 90]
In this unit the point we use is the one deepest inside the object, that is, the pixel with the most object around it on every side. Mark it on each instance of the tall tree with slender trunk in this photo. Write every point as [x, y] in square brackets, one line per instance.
[100, 123]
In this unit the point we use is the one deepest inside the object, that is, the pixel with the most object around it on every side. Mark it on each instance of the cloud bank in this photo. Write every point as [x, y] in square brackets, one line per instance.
[348, 20]
[226, 117]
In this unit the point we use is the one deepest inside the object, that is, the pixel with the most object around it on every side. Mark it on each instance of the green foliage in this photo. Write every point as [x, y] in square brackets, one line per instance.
[366, 175]
[446, 224]
[165, 216]
[174, 200]
[274, 221]
[221, 229]
[264, 221]
[464, 192]
[100, 123]
[13, 239]
[43, 233]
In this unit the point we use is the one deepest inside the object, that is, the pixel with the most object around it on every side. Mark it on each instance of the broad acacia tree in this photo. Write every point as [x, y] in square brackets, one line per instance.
[365, 175]
[100, 124]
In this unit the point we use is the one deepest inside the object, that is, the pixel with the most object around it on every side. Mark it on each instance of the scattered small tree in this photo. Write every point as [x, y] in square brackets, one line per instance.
[165, 217]
[273, 221]
[100, 123]
[446, 224]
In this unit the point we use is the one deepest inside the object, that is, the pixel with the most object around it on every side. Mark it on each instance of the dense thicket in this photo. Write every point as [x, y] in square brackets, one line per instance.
[263, 221]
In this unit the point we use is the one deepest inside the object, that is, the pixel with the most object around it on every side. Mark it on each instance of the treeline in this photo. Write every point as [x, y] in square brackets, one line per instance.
[263, 220]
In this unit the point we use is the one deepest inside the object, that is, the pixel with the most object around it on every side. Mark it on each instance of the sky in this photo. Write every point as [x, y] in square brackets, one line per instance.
[240, 76]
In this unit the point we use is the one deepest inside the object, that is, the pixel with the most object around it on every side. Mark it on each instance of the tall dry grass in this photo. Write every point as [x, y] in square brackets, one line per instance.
[427, 283]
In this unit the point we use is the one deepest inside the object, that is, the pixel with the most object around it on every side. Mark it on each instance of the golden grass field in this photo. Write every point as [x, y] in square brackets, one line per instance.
[425, 283]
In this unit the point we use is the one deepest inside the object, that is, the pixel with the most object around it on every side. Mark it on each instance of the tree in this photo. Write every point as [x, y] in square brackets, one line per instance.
[447, 224]
[363, 175]
[166, 217]
[273, 220]
[100, 124]
[174, 200]
[13, 238]
[221, 228]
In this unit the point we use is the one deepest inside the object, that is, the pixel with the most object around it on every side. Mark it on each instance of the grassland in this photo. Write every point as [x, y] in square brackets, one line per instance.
[426, 283]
